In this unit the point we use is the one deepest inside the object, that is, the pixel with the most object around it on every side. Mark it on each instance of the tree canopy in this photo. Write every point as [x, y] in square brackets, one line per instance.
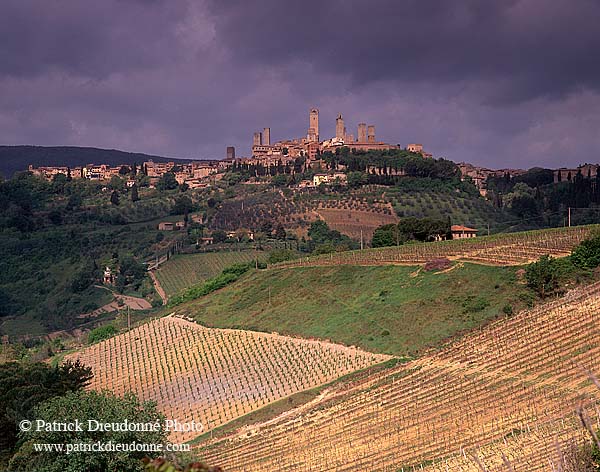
[411, 229]
[82, 406]
[167, 182]
[23, 386]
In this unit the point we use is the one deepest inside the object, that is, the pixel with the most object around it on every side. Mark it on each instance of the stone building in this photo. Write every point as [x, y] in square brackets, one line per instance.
[461, 232]
[371, 134]
[340, 129]
[108, 277]
[362, 132]
[587, 170]
[313, 126]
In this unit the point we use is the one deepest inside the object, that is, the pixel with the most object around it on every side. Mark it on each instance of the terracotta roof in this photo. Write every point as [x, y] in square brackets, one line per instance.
[459, 228]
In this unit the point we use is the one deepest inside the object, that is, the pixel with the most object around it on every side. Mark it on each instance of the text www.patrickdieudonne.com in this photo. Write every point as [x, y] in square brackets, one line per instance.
[110, 446]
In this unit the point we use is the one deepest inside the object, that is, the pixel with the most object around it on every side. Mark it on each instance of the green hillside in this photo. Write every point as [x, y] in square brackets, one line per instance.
[17, 158]
[184, 270]
[392, 309]
[460, 202]
[56, 239]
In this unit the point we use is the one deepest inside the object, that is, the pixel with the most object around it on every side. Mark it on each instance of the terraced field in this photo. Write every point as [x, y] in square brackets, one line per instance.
[213, 376]
[501, 249]
[184, 270]
[347, 213]
[509, 389]
[410, 197]
[352, 222]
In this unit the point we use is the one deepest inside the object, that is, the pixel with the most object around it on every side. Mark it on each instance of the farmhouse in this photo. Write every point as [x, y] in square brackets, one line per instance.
[166, 226]
[319, 179]
[109, 277]
[460, 232]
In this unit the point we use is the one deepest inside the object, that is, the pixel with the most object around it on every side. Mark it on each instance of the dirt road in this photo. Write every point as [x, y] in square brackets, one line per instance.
[158, 287]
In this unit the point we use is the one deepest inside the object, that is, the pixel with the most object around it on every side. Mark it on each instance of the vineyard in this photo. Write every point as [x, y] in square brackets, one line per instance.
[213, 376]
[509, 389]
[501, 249]
[183, 271]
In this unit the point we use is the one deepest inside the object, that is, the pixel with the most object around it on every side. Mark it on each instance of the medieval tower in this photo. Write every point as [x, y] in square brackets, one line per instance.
[371, 134]
[313, 125]
[362, 133]
[340, 129]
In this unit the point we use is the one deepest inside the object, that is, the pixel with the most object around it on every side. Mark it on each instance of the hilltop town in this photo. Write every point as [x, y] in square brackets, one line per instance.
[294, 156]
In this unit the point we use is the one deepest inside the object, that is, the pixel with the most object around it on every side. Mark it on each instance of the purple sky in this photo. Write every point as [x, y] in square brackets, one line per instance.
[494, 82]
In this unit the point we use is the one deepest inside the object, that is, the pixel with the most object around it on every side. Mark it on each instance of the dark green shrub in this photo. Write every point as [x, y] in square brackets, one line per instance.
[587, 254]
[542, 276]
[101, 333]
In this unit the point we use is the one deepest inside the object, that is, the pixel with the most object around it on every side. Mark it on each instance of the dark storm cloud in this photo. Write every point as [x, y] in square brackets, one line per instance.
[498, 83]
[85, 38]
[524, 48]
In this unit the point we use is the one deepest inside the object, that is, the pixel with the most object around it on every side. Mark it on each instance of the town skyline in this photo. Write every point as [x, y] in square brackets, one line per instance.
[510, 92]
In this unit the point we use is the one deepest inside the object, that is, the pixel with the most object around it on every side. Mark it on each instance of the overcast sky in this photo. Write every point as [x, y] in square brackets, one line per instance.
[497, 83]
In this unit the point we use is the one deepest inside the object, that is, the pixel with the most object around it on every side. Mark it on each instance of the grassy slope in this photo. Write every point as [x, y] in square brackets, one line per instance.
[359, 305]
[183, 271]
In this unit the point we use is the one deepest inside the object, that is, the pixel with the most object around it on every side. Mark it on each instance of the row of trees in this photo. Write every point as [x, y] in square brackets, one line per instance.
[246, 170]
[411, 229]
[391, 162]
[535, 195]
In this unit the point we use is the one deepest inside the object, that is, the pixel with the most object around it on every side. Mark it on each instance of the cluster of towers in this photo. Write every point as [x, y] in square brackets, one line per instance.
[312, 143]
[262, 139]
[366, 134]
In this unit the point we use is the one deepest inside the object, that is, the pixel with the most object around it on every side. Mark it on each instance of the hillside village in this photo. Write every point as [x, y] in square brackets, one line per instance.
[295, 156]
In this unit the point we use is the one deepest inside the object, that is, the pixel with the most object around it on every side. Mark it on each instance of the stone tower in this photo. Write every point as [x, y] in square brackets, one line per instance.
[313, 125]
[362, 132]
[266, 137]
[257, 139]
[340, 129]
[371, 134]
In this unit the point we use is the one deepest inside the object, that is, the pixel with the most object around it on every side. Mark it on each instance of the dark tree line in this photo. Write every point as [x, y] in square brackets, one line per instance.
[411, 229]
[534, 194]
[390, 163]
[298, 166]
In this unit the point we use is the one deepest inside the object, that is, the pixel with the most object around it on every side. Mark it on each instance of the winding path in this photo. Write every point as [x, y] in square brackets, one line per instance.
[158, 287]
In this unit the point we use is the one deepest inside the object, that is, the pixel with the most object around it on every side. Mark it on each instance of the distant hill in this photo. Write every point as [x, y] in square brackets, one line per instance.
[17, 158]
